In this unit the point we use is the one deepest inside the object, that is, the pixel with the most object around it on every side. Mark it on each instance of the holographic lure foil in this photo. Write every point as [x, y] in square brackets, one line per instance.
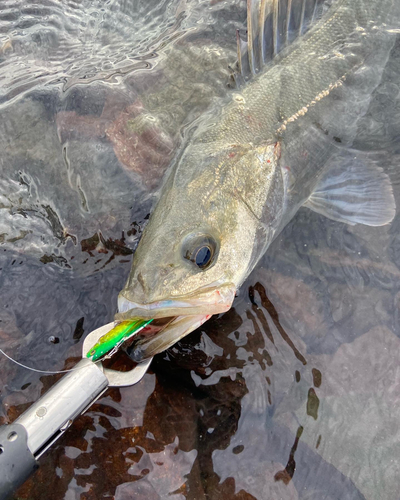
[115, 337]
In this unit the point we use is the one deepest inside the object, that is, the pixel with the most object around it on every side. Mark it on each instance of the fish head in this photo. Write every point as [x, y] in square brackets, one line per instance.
[199, 243]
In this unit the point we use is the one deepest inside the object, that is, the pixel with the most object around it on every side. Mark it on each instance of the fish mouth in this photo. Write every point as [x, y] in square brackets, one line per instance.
[173, 319]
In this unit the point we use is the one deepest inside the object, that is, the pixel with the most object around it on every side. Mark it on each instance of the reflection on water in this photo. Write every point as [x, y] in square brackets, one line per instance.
[292, 394]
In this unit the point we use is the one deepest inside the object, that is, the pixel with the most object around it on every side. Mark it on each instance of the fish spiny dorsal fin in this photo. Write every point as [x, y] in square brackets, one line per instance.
[252, 33]
[242, 59]
[273, 25]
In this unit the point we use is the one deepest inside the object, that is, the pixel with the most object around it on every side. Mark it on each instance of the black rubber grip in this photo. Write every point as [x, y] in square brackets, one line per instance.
[16, 460]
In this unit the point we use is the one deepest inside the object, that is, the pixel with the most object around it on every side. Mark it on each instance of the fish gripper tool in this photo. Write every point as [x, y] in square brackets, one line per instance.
[25, 440]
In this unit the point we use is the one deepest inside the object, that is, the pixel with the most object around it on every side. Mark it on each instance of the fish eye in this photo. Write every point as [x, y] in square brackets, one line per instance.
[201, 250]
[203, 256]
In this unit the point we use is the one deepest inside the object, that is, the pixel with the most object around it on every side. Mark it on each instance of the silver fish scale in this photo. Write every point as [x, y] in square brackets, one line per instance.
[303, 75]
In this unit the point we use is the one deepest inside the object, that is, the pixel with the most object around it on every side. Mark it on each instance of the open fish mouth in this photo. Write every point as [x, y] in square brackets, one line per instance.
[172, 319]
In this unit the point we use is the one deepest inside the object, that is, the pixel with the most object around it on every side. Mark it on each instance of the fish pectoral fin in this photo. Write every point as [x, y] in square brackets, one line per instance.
[355, 192]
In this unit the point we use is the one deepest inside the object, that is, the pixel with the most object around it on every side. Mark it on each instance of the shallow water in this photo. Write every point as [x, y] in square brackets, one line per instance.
[292, 394]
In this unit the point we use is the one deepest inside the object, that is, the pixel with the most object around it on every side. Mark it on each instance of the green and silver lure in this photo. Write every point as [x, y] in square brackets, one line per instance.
[110, 342]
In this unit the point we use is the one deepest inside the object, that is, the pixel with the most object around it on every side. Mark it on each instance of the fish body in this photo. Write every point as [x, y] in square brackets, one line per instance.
[283, 140]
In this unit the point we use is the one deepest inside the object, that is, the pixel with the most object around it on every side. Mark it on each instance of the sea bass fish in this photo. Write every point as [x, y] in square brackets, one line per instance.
[281, 140]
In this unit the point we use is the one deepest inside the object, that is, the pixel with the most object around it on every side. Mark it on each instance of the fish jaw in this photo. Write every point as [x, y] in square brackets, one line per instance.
[208, 301]
[144, 348]
[188, 313]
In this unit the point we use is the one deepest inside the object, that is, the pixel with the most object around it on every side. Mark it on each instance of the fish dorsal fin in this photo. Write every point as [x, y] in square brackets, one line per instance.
[272, 25]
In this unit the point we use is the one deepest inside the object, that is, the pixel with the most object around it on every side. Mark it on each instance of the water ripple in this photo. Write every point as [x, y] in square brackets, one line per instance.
[78, 42]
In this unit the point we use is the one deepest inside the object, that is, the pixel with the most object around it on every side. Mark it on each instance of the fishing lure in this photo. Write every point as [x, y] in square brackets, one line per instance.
[116, 336]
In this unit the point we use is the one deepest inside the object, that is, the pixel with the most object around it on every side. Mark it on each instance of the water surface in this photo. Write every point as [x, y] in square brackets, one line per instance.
[292, 394]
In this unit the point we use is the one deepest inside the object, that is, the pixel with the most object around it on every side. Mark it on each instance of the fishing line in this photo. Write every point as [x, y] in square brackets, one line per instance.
[96, 355]
[48, 372]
